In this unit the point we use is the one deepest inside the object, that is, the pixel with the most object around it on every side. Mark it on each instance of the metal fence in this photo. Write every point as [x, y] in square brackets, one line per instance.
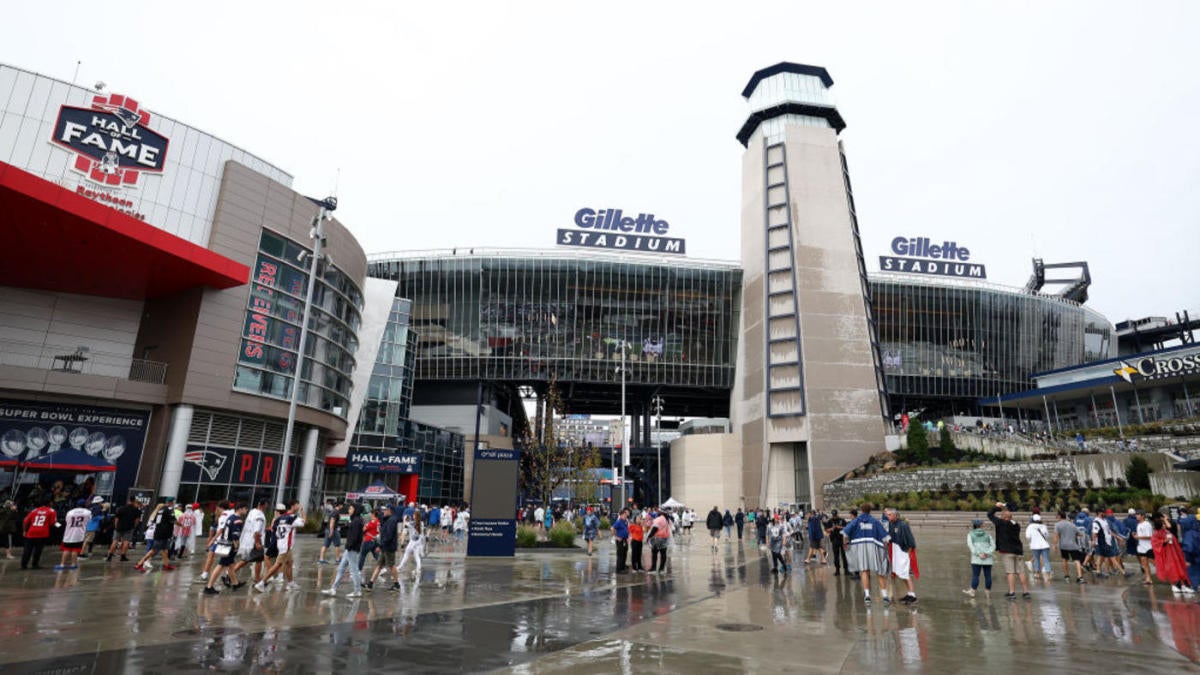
[81, 360]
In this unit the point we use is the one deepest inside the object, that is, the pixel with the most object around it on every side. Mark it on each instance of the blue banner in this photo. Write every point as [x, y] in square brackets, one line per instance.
[380, 461]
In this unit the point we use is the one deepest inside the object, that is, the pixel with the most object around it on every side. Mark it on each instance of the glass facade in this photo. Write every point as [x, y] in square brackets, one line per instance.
[532, 315]
[383, 423]
[956, 341]
[271, 332]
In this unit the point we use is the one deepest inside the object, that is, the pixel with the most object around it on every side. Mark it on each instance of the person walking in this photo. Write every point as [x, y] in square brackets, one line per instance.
[349, 561]
[713, 523]
[37, 526]
[620, 531]
[414, 549]
[127, 517]
[591, 528]
[333, 537]
[1144, 533]
[816, 538]
[903, 557]
[461, 520]
[283, 529]
[833, 531]
[739, 519]
[1189, 529]
[98, 510]
[1169, 563]
[727, 522]
[866, 552]
[225, 550]
[73, 536]
[1066, 539]
[389, 544]
[252, 545]
[162, 524]
[370, 543]
[1039, 546]
[636, 534]
[777, 541]
[983, 554]
[1009, 549]
[659, 536]
[10, 520]
[217, 530]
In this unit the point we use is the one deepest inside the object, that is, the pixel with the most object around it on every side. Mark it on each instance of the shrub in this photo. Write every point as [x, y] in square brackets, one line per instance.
[1137, 473]
[918, 444]
[562, 534]
[605, 524]
[526, 536]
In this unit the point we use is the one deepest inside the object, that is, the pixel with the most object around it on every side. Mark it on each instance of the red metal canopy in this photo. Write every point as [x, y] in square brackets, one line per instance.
[56, 240]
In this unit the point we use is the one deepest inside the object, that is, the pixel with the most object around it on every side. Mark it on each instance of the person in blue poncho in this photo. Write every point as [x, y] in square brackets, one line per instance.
[866, 542]
[1189, 535]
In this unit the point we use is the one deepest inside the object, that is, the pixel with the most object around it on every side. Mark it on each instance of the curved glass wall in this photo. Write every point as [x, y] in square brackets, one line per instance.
[965, 341]
[271, 332]
[524, 316]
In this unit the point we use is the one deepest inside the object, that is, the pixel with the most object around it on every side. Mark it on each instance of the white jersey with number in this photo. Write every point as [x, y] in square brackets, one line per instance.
[284, 526]
[76, 525]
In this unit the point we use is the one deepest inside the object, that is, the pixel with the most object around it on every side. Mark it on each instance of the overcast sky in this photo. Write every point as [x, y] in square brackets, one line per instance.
[1061, 130]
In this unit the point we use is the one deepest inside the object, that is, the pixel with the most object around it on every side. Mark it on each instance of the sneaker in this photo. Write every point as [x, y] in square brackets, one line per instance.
[199, 580]
[83, 556]
[322, 561]
[1188, 590]
[260, 587]
[209, 590]
[139, 568]
[293, 586]
[774, 570]
[124, 559]
[369, 585]
[969, 592]
[204, 576]
[1080, 581]
[169, 568]
[912, 600]
[1026, 595]
[1010, 596]
[395, 586]
[887, 600]
[59, 568]
[1067, 578]
[354, 594]
[329, 591]
[867, 600]
[108, 558]
[72, 567]
[238, 585]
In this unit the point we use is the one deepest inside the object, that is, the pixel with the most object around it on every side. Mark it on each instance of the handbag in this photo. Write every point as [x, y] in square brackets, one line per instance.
[223, 549]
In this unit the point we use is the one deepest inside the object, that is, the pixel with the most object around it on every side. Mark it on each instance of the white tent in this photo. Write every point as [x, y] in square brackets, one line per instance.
[671, 503]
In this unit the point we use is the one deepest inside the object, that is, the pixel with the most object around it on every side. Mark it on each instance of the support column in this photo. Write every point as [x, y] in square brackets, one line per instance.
[307, 467]
[181, 424]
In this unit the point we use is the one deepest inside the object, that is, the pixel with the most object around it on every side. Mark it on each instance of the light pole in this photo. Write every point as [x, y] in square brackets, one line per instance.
[318, 236]
[624, 435]
[658, 408]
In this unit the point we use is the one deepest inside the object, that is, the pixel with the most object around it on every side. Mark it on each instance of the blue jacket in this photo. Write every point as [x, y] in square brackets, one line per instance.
[389, 539]
[591, 524]
[865, 529]
[620, 529]
[1189, 529]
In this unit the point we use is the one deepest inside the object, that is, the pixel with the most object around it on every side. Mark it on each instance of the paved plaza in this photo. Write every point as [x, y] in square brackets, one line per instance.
[550, 612]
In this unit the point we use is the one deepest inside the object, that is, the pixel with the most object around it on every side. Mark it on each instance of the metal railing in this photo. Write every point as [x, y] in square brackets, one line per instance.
[81, 360]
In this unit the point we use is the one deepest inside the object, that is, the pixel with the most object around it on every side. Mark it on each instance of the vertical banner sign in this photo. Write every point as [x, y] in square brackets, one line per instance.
[493, 525]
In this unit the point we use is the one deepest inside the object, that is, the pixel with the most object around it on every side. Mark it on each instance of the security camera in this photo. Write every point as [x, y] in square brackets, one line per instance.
[301, 256]
[99, 86]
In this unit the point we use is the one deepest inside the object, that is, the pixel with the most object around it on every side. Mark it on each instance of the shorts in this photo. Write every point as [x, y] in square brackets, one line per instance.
[687, 526]
[272, 552]
[253, 555]
[334, 540]
[229, 560]
[589, 536]
[1146, 554]
[284, 559]
[120, 536]
[1069, 555]
[387, 558]
[1011, 562]
[72, 547]
[158, 545]
[714, 533]
[817, 543]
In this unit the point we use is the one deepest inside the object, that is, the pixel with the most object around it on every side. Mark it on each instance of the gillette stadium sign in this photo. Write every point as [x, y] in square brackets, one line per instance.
[920, 255]
[612, 229]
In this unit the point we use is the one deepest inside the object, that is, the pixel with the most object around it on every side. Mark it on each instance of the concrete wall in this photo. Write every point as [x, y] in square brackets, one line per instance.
[992, 445]
[1101, 468]
[36, 326]
[706, 471]
[1176, 484]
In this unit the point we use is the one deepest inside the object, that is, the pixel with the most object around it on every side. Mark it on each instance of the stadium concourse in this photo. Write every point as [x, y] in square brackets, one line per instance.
[715, 612]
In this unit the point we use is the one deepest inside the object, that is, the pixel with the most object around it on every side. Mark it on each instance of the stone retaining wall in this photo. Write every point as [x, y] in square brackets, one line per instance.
[975, 478]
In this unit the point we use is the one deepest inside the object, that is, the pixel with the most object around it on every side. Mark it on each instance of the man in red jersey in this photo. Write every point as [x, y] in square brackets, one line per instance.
[37, 533]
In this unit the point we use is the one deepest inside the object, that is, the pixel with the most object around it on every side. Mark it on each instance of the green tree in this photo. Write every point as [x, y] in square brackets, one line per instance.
[557, 461]
[918, 443]
[946, 443]
[1137, 473]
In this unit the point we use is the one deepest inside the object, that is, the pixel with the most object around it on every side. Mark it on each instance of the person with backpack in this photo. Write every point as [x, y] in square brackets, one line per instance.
[1039, 546]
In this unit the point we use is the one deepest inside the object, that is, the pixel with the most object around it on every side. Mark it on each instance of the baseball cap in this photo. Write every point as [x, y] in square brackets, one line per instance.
[280, 507]
[1037, 518]
[977, 523]
[1132, 512]
[1083, 510]
[196, 505]
[97, 499]
[1109, 512]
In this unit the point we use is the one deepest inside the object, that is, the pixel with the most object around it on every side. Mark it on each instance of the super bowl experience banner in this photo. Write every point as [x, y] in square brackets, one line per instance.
[77, 434]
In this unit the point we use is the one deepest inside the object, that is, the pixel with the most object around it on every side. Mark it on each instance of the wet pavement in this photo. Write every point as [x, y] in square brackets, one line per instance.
[547, 612]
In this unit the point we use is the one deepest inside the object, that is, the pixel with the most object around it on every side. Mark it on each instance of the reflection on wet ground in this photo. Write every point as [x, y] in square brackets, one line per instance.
[550, 612]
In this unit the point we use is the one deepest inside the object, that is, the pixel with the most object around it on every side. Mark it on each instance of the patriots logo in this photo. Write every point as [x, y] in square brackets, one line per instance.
[208, 461]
